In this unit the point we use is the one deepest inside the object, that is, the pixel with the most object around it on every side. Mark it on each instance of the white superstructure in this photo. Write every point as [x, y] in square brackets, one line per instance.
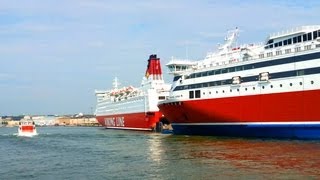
[127, 100]
[237, 69]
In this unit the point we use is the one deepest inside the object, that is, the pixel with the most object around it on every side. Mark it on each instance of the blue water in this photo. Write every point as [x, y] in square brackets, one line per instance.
[97, 153]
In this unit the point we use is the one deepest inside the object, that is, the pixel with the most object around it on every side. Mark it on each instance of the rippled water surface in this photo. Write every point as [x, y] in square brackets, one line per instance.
[97, 153]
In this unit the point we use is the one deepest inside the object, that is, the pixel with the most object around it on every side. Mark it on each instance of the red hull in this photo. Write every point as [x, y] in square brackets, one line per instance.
[27, 128]
[279, 107]
[133, 121]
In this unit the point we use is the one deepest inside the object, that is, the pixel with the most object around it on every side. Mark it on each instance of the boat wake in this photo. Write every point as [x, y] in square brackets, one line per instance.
[25, 135]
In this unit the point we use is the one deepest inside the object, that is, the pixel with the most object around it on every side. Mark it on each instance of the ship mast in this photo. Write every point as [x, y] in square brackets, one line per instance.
[115, 83]
[230, 40]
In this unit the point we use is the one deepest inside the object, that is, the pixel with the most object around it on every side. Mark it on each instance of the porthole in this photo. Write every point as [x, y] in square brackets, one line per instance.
[246, 89]
[217, 92]
[223, 91]
[203, 93]
[210, 92]
[280, 85]
[312, 82]
[271, 86]
[230, 90]
[254, 88]
[262, 87]
[238, 90]
[290, 84]
[300, 83]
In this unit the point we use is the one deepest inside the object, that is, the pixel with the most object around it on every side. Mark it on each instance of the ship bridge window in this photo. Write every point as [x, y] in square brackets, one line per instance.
[211, 73]
[270, 41]
[271, 46]
[318, 33]
[304, 37]
[289, 41]
[315, 34]
[299, 38]
[178, 68]
[198, 75]
[309, 36]
[183, 67]
[295, 40]
[285, 42]
[280, 43]
[276, 44]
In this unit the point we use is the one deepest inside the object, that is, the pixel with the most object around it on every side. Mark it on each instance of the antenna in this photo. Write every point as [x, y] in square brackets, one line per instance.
[187, 55]
[115, 83]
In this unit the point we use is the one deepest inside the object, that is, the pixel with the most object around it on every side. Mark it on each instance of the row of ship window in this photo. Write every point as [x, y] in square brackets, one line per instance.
[252, 66]
[302, 38]
[287, 51]
[261, 77]
[197, 93]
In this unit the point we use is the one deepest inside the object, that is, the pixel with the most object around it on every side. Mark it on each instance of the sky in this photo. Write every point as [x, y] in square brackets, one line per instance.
[55, 53]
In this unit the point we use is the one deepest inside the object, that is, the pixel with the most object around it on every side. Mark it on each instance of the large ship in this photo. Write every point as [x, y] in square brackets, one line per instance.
[271, 89]
[134, 108]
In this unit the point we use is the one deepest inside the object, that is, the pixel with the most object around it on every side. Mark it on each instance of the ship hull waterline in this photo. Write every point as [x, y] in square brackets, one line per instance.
[278, 115]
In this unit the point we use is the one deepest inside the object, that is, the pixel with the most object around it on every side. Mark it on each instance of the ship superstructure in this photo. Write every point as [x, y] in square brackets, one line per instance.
[270, 89]
[130, 107]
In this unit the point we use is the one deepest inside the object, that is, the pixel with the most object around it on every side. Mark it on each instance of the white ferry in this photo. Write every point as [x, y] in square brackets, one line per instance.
[133, 108]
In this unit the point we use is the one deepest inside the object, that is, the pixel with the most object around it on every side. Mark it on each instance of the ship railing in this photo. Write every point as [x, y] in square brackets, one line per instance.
[287, 51]
[293, 30]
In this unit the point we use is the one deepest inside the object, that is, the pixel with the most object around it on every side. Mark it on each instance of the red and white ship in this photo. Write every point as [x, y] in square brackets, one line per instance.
[134, 108]
[270, 89]
[27, 128]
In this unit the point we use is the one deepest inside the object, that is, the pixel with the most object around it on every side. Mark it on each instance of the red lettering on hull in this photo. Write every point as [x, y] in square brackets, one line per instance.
[134, 121]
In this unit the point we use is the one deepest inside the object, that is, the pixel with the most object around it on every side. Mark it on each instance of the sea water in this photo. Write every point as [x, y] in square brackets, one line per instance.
[98, 153]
